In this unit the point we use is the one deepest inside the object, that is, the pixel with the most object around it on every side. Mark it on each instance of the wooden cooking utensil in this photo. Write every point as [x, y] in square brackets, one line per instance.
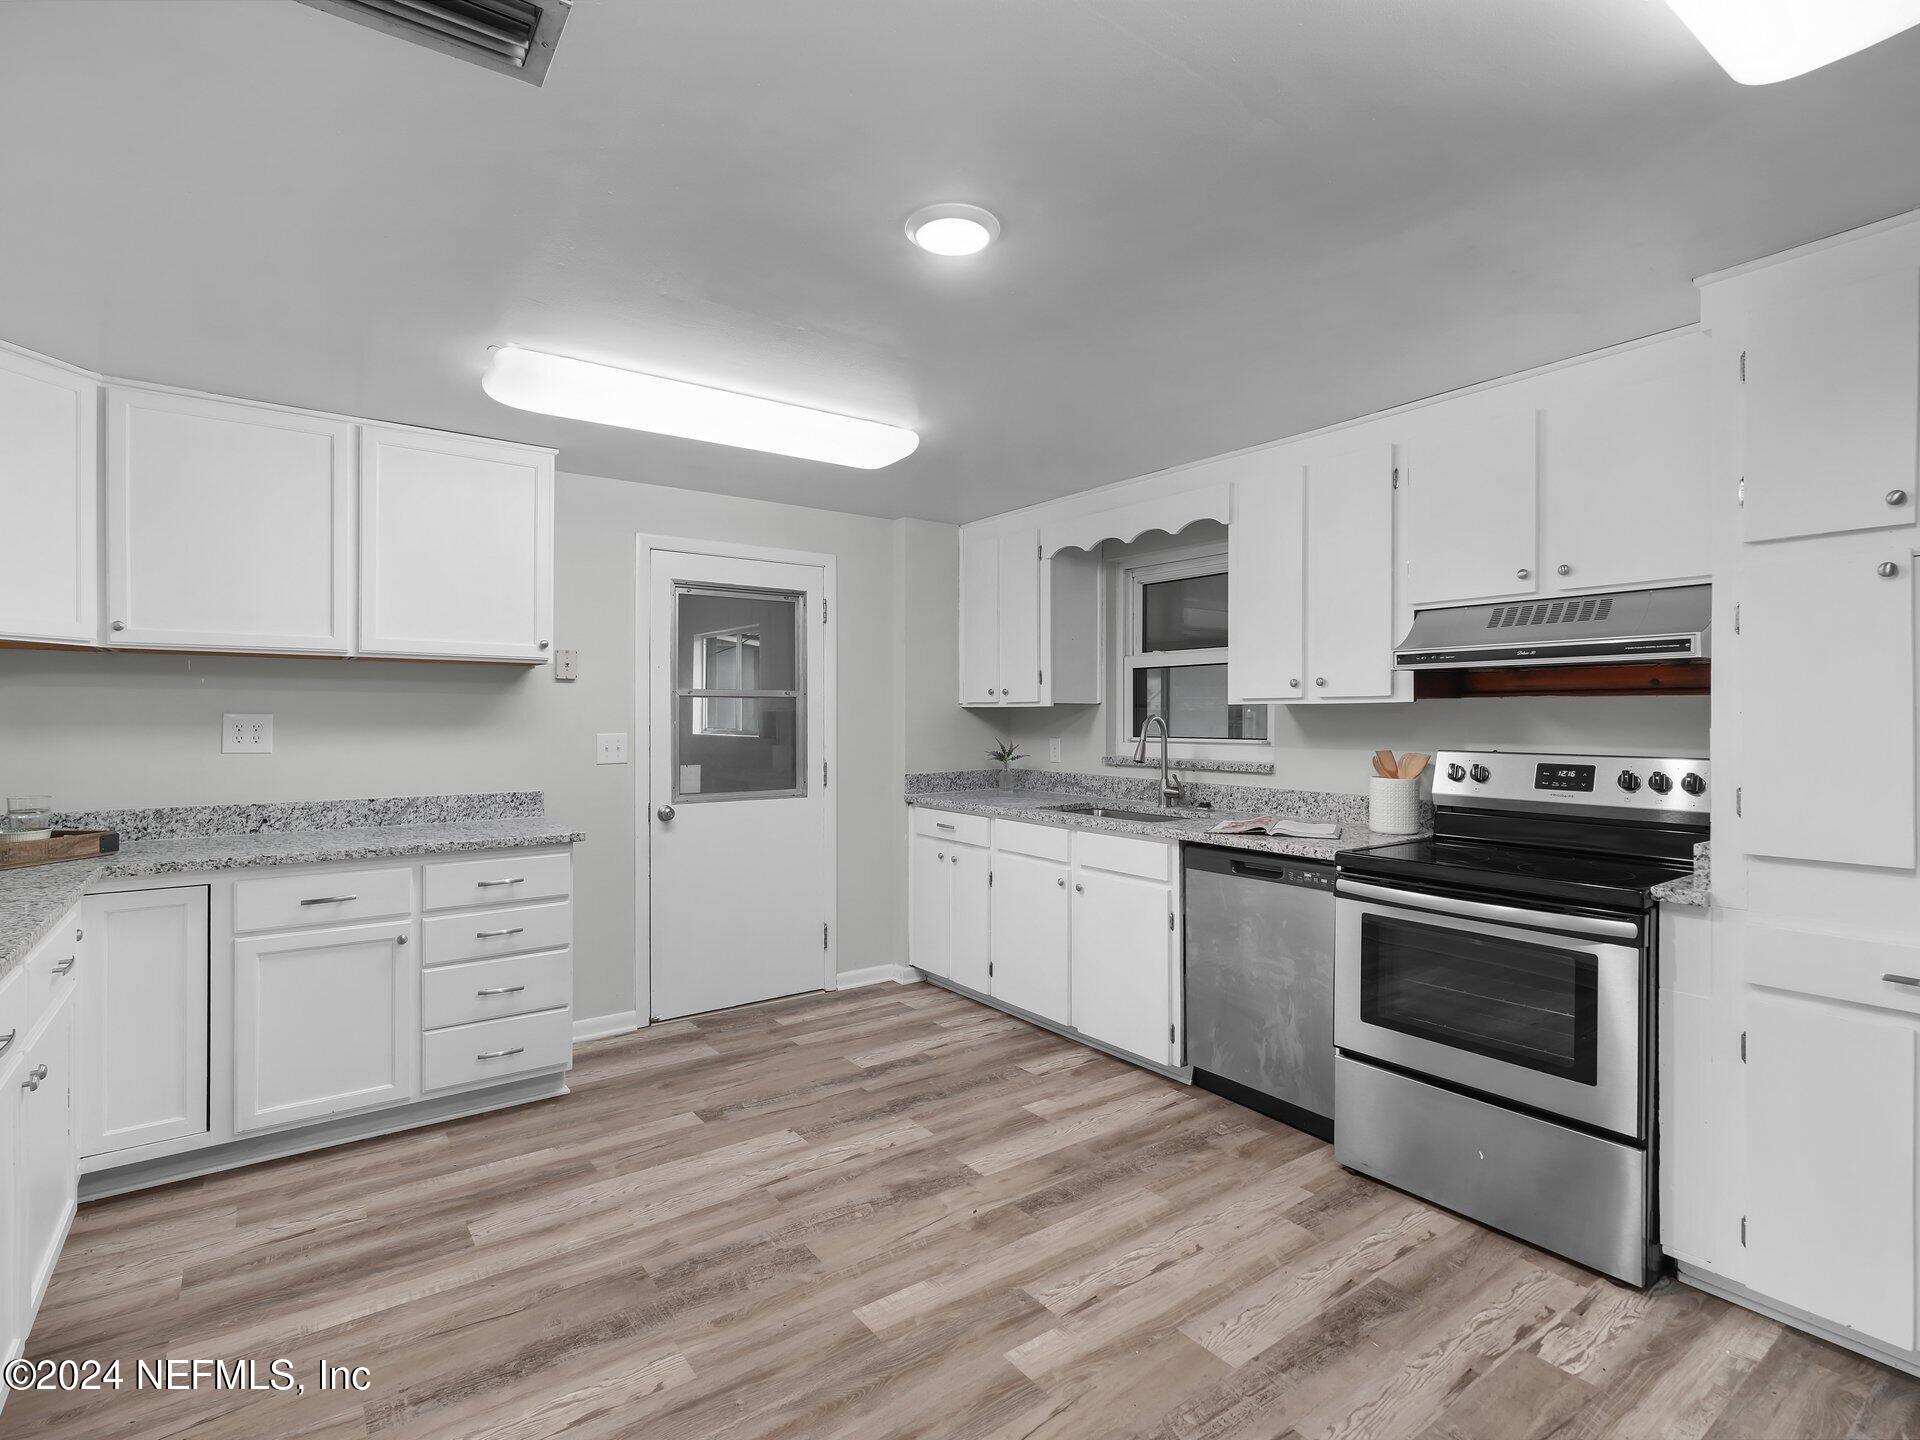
[1412, 766]
[1384, 766]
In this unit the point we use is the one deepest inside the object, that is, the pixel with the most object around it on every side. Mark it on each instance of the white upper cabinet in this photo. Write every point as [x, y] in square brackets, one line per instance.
[1349, 632]
[456, 547]
[229, 526]
[979, 619]
[49, 496]
[1471, 491]
[1625, 475]
[1019, 587]
[1832, 405]
[1266, 568]
[1029, 627]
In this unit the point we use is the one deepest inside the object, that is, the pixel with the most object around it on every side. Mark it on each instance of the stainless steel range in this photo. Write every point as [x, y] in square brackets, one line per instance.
[1494, 996]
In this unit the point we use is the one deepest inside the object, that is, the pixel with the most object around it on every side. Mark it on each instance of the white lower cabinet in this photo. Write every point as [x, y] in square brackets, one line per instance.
[325, 1022]
[1075, 927]
[143, 1031]
[48, 1155]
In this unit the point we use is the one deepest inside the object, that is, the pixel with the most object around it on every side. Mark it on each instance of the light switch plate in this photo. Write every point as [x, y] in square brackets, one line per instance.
[246, 734]
[612, 748]
[566, 664]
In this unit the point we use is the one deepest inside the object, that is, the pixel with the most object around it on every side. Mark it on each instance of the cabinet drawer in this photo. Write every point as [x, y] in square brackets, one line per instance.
[51, 968]
[15, 1022]
[1149, 859]
[455, 884]
[1834, 967]
[514, 931]
[490, 989]
[495, 1049]
[1043, 842]
[947, 825]
[292, 902]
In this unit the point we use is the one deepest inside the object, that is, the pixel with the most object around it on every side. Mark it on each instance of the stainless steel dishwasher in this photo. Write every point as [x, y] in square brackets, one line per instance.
[1259, 982]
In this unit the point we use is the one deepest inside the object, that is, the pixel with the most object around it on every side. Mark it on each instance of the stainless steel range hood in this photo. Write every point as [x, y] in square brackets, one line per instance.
[1617, 628]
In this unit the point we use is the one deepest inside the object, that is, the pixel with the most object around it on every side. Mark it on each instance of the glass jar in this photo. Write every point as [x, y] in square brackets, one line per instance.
[28, 817]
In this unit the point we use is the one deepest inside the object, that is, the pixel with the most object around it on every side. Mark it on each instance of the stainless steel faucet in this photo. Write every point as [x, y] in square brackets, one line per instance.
[1169, 782]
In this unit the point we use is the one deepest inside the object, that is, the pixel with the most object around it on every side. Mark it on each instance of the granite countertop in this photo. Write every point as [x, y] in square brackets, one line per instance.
[1694, 889]
[1193, 826]
[32, 898]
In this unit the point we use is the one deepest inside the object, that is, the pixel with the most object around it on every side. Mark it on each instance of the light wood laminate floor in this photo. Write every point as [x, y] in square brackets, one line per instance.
[890, 1212]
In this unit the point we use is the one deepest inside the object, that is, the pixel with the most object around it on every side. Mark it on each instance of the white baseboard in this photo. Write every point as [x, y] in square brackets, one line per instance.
[599, 1027]
[1846, 1339]
[878, 974]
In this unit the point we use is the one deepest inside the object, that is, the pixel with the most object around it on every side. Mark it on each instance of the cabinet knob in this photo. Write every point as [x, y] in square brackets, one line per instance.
[1896, 497]
[1887, 570]
[1061, 882]
[119, 625]
[79, 934]
[399, 939]
[1294, 684]
[992, 691]
[34, 1077]
[1319, 679]
[1563, 569]
[545, 643]
[939, 854]
[1079, 889]
[1522, 573]
[954, 858]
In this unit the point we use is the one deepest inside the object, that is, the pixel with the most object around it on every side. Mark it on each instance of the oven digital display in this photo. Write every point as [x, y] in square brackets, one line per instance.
[1563, 777]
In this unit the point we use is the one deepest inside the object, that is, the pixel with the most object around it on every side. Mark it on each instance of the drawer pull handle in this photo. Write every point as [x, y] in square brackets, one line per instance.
[329, 899]
[34, 1077]
[496, 934]
[500, 990]
[500, 1054]
[1902, 979]
[489, 884]
[941, 825]
[65, 965]
[6, 1040]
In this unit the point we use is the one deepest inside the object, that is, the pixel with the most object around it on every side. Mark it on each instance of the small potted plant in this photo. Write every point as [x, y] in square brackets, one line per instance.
[1006, 752]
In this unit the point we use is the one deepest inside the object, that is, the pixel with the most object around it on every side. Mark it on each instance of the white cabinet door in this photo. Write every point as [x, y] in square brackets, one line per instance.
[229, 526]
[971, 937]
[979, 619]
[1625, 476]
[49, 1161]
[325, 1021]
[143, 1019]
[1266, 563]
[456, 547]
[930, 905]
[1830, 1149]
[49, 496]
[1349, 627]
[1827, 705]
[1019, 587]
[1471, 492]
[1032, 956]
[13, 1280]
[1122, 962]
[1832, 408]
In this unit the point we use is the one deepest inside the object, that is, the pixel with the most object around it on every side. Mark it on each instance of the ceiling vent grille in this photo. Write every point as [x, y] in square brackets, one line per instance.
[514, 37]
[1551, 612]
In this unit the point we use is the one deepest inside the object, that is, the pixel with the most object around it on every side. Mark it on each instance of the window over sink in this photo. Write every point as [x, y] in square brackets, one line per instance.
[1173, 659]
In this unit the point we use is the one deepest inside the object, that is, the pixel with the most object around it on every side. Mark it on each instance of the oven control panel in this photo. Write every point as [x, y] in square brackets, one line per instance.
[1671, 786]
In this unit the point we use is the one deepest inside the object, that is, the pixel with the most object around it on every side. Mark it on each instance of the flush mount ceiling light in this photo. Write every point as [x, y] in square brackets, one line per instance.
[608, 395]
[953, 229]
[1760, 41]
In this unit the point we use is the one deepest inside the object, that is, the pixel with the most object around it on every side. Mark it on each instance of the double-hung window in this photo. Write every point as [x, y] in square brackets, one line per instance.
[1175, 652]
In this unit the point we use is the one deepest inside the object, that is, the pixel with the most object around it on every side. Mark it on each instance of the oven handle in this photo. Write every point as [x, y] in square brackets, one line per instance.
[1480, 910]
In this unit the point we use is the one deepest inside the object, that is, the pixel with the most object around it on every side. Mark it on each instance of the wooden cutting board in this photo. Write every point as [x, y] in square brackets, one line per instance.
[61, 845]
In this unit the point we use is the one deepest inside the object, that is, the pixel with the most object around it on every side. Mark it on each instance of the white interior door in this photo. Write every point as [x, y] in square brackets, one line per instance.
[740, 850]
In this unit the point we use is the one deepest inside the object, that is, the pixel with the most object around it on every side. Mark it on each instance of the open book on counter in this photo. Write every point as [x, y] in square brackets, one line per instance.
[1280, 825]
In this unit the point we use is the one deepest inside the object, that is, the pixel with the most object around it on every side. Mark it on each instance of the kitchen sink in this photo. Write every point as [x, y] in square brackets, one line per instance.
[1109, 812]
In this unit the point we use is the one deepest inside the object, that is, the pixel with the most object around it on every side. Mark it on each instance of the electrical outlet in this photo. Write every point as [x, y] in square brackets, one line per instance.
[246, 734]
[566, 664]
[1053, 749]
[612, 748]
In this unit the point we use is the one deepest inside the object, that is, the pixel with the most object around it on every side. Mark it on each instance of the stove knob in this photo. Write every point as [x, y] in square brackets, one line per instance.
[1629, 781]
[1660, 782]
[1456, 773]
[1481, 774]
[1692, 784]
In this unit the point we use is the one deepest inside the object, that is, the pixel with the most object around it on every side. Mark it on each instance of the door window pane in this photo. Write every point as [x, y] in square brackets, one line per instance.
[739, 714]
[761, 761]
[715, 628]
[1194, 700]
[1189, 614]
[1525, 1003]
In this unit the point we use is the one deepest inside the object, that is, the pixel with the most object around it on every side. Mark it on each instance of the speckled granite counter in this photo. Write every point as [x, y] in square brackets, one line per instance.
[1193, 826]
[32, 899]
[1694, 889]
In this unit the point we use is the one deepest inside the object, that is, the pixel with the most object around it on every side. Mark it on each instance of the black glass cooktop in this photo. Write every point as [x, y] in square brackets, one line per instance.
[1618, 882]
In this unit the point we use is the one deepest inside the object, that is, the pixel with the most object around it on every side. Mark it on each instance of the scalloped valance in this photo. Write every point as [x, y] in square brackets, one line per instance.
[1171, 513]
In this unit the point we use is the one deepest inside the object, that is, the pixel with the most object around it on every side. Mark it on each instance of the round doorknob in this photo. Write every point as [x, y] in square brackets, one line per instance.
[1522, 573]
[666, 812]
[1886, 570]
[1563, 570]
[1896, 497]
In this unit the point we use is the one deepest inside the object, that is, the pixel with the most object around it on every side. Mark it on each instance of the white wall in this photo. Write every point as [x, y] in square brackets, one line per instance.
[140, 730]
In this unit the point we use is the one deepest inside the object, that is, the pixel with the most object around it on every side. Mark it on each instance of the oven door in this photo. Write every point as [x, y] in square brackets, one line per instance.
[1538, 1008]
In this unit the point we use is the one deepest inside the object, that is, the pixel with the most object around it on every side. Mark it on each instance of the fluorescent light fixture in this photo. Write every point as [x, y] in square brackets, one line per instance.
[1760, 41]
[953, 229]
[608, 395]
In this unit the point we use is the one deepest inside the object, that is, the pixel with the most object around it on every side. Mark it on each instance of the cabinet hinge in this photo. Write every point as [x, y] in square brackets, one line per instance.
[1169, 1034]
[989, 879]
[1737, 794]
[1743, 367]
[1396, 477]
[1039, 552]
[1169, 919]
[823, 610]
[823, 934]
[1743, 1047]
[1740, 493]
[989, 969]
[1743, 1230]
[1043, 677]
[823, 772]
[1736, 619]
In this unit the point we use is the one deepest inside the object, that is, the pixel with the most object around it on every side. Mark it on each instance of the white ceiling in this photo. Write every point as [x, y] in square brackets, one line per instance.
[1226, 221]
